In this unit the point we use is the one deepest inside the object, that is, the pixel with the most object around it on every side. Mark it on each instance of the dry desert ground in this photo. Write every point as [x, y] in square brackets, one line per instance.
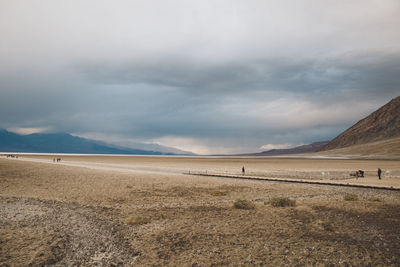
[143, 211]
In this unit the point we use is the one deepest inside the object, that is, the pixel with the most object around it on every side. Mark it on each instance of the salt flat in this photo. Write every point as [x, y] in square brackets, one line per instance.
[332, 169]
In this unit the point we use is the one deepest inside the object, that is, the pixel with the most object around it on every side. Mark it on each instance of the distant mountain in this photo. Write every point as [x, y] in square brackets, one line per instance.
[155, 147]
[295, 150]
[383, 124]
[63, 143]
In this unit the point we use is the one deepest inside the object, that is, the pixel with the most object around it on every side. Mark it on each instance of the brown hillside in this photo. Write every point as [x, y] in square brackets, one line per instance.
[380, 125]
[384, 149]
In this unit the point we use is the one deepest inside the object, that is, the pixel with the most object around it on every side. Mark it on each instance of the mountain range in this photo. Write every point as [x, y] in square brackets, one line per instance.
[376, 134]
[66, 143]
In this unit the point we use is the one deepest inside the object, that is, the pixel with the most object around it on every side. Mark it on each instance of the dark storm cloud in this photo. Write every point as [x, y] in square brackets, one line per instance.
[362, 73]
[213, 77]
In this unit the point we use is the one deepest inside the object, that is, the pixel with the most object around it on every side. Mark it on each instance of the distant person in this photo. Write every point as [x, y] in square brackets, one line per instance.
[243, 170]
[379, 173]
[54, 159]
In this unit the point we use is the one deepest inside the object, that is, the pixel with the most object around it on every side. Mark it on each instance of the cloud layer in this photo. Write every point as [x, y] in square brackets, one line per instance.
[212, 77]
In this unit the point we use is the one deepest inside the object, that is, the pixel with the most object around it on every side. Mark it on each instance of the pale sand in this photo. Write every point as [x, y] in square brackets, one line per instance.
[64, 214]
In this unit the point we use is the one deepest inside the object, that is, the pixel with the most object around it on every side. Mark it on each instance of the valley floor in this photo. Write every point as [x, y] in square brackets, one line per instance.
[143, 211]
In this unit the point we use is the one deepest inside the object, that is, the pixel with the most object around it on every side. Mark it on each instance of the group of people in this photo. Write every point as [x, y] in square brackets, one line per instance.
[359, 173]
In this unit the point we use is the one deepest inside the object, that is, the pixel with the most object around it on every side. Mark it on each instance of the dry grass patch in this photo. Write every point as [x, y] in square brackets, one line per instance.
[328, 226]
[376, 199]
[350, 197]
[218, 193]
[137, 220]
[282, 202]
[244, 204]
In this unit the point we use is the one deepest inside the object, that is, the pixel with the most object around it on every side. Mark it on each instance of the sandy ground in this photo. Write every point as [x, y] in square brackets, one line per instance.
[87, 211]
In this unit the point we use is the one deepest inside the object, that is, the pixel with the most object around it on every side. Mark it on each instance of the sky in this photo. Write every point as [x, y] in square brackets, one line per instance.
[211, 77]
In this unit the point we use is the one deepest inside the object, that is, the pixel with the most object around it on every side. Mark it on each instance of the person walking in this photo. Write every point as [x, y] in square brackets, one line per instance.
[243, 170]
[379, 173]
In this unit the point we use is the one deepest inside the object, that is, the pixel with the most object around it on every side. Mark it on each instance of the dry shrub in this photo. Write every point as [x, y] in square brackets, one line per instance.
[243, 204]
[350, 197]
[282, 202]
[137, 220]
[327, 225]
[218, 193]
[376, 199]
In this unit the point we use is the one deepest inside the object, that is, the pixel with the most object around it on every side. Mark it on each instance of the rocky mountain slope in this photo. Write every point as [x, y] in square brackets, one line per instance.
[382, 124]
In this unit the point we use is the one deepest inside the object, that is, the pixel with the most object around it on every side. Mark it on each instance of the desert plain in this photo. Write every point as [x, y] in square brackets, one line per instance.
[147, 211]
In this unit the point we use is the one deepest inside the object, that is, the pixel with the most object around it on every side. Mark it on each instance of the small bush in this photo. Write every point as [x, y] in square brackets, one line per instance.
[376, 199]
[218, 193]
[282, 202]
[327, 225]
[137, 220]
[243, 204]
[350, 197]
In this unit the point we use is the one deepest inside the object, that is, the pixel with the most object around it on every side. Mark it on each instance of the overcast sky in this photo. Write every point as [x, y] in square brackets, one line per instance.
[204, 76]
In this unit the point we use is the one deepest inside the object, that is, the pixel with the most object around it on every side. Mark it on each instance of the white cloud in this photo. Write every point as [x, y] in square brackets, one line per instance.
[25, 131]
[275, 146]
[202, 146]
